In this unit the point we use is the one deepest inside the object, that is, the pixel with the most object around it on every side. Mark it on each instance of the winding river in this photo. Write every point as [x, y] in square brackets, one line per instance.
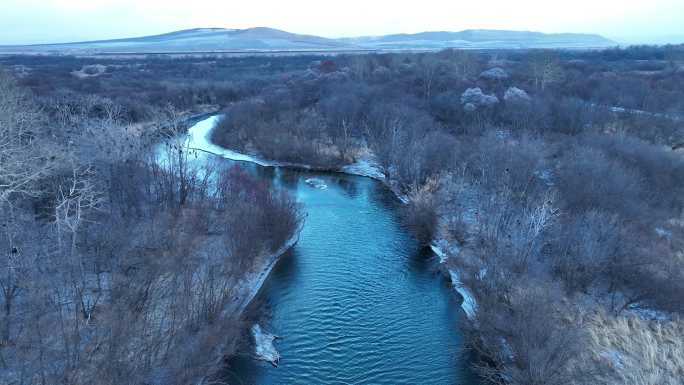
[355, 301]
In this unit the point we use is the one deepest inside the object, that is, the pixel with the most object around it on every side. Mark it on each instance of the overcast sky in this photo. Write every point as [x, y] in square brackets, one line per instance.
[48, 21]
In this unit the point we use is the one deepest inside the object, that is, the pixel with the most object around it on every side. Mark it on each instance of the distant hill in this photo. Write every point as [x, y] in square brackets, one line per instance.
[483, 38]
[195, 40]
[269, 39]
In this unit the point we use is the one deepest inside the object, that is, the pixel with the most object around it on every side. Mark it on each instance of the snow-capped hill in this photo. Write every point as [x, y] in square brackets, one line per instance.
[483, 38]
[197, 40]
[270, 39]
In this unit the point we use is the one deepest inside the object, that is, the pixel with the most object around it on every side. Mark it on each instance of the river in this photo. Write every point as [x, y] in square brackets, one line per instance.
[355, 301]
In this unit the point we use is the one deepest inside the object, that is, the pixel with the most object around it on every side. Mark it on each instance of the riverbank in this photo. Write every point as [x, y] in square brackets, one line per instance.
[253, 282]
[247, 289]
[245, 293]
[199, 139]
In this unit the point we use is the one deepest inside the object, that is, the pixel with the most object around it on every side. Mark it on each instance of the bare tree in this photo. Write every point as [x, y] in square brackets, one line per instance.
[22, 162]
[545, 69]
[430, 67]
[464, 63]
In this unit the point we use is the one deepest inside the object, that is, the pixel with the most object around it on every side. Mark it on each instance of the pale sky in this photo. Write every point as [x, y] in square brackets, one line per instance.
[49, 21]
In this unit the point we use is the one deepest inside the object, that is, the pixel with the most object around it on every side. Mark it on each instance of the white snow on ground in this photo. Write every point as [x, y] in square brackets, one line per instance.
[199, 138]
[439, 252]
[365, 167]
[469, 304]
[623, 110]
[264, 348]
[252, 283]
[649, 314]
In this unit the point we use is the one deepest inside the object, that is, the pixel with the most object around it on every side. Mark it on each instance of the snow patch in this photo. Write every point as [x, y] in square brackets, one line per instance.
[365, 167]
[469, 304]
[439, 252]
[442, 248]
[648, 314]
[253, 282]
[199, 139]
[264, 348]
[623, 110]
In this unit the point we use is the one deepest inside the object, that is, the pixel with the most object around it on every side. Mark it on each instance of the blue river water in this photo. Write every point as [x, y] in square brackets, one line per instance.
[356, 301]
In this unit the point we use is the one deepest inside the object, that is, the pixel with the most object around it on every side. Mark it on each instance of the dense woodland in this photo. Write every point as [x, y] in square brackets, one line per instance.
[122, 256]
[552, 178]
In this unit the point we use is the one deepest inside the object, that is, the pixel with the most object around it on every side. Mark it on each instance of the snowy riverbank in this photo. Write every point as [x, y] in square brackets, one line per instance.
[199, 139]
[264, 348]
[253, 281]
[469, 304]
[246, 291]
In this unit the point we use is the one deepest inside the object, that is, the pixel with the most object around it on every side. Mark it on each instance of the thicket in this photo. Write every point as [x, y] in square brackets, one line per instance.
[121, 264]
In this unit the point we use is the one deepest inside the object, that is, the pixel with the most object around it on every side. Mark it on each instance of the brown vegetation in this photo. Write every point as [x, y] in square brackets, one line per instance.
[117, 267]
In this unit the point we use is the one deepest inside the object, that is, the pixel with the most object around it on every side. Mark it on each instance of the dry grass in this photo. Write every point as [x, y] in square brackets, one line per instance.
[635, 351]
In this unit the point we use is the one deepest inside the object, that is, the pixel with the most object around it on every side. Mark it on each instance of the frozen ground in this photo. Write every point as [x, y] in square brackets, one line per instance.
[365, 167]
[199, 138]
[469, 304]
[264, 348]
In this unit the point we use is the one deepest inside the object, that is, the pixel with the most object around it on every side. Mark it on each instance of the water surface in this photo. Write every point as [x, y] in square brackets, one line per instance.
[355, 301]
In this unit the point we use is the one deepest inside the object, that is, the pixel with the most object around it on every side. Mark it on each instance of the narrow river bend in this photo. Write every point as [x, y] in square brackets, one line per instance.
[355, 301]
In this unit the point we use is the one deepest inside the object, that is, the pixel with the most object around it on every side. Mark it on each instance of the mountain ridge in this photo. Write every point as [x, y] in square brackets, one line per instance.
[265, 39]
[523, 39]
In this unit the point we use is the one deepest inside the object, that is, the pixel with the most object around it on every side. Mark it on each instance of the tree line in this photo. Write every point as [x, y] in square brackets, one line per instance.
[122, 262]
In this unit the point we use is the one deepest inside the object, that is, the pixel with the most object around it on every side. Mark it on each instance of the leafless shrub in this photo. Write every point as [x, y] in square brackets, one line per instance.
[420, 215]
